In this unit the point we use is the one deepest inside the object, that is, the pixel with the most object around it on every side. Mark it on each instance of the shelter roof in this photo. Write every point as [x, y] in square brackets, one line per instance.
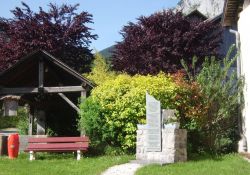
[196, 14]
[231, 11]
[25, 72]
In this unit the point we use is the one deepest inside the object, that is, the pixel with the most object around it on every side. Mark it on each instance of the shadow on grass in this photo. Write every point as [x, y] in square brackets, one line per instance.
[43, 156]
[102, 150]
[62, 156]
[55, 156]
[204, 156]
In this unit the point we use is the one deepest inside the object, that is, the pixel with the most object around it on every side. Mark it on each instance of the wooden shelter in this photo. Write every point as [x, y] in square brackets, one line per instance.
[50, 88]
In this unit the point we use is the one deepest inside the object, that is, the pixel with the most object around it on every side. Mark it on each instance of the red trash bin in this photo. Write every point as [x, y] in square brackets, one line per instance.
[13, 146]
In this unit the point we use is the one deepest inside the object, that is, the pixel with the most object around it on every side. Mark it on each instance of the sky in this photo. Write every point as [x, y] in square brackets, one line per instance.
[109, 16]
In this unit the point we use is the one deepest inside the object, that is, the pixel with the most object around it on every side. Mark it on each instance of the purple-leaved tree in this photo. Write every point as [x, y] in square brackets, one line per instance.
[60, 31]
[158, 43]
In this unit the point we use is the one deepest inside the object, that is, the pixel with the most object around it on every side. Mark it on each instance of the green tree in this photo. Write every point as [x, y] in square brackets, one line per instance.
[100, 71]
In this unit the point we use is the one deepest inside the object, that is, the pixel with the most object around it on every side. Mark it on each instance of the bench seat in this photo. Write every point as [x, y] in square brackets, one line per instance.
[57, 144]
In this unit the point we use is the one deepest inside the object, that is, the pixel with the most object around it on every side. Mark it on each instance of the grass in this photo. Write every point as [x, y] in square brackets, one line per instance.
[59, 164]
[64, 164]
[231, 164]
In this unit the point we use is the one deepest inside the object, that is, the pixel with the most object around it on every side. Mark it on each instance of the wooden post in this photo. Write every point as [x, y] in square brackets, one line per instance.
[83, 96]
[40, 116]
[78, 157]
[32, 155]
[31, 119]
[41, 74]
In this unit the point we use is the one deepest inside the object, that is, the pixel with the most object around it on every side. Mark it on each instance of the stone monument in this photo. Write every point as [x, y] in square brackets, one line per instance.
[153, 119]
[156, 144]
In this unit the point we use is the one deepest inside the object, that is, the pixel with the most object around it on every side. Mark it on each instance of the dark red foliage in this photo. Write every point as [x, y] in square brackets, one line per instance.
[60, 31]
[158, 43]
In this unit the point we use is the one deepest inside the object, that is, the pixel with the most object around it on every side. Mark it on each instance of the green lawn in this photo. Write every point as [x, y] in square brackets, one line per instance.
[224, 165]
[65, 164]
[56, 164]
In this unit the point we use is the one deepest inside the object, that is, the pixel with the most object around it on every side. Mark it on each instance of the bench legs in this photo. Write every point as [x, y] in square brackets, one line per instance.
[32, 155]
[78, 155]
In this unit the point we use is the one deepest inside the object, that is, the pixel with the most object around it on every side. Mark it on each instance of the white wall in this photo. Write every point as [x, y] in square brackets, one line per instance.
[244, 30]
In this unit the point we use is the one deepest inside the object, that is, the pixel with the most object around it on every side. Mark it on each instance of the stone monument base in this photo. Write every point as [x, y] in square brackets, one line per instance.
[174, 146]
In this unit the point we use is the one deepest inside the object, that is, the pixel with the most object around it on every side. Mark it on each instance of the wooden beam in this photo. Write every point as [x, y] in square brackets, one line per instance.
[246, 4]
[67, 69]
[63, 89]
[30, 90]
[24, 90]
[69, 102]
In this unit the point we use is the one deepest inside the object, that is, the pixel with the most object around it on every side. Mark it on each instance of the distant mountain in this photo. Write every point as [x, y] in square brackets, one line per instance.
[209, 8]
[107, 53]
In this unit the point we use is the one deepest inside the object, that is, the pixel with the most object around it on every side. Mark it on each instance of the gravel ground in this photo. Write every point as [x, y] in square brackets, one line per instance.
[123, 169]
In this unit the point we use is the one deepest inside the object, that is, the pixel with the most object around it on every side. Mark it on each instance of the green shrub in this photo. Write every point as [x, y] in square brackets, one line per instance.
[91, 121]
[123, 104]
[114, 151]
[221, 91]
[50, 132]
[192, 108]
[206, 104]
[8, 122]
[21, 121]
[118, 105]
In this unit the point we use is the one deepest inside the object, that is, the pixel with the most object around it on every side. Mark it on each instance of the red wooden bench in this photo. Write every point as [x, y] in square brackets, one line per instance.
[57, 144]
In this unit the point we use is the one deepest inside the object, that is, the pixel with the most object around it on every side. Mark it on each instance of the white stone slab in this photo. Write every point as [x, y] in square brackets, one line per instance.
[153, 119]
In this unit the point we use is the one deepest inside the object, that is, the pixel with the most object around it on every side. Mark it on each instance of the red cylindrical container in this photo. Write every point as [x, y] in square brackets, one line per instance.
[13, 146]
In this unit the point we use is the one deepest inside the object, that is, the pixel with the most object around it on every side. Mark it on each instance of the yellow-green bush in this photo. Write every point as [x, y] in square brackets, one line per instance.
[120, 106]
[100, 70]
[117, 105]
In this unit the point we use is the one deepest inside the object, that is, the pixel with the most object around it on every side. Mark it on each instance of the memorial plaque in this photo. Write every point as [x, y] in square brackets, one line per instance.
[153, 119]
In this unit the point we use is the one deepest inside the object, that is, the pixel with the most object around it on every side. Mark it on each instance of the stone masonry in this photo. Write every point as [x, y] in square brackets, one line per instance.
[174, 146]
